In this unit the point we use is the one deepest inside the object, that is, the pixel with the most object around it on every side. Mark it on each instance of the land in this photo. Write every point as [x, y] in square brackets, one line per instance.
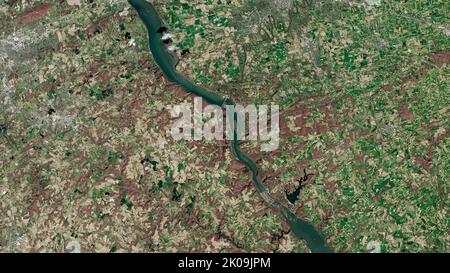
[86, 153]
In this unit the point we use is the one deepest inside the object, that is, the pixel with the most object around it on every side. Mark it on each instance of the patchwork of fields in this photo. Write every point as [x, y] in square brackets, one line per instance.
[86, 153]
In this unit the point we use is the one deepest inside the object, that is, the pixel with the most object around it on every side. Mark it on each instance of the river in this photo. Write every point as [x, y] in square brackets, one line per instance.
[163, 58]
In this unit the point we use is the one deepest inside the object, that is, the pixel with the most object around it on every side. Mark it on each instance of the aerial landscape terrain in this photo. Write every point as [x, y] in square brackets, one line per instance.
[88, 163]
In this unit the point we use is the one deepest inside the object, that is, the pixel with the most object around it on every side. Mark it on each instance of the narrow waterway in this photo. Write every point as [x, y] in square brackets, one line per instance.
[164, 59]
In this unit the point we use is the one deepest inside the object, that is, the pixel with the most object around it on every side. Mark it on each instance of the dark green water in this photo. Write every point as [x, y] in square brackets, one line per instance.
[164, 59]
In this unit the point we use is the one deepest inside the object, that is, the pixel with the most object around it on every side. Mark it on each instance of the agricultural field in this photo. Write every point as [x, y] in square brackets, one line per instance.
[86, 153]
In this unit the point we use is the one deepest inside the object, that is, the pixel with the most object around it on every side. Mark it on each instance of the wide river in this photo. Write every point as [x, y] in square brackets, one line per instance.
[165, 60]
